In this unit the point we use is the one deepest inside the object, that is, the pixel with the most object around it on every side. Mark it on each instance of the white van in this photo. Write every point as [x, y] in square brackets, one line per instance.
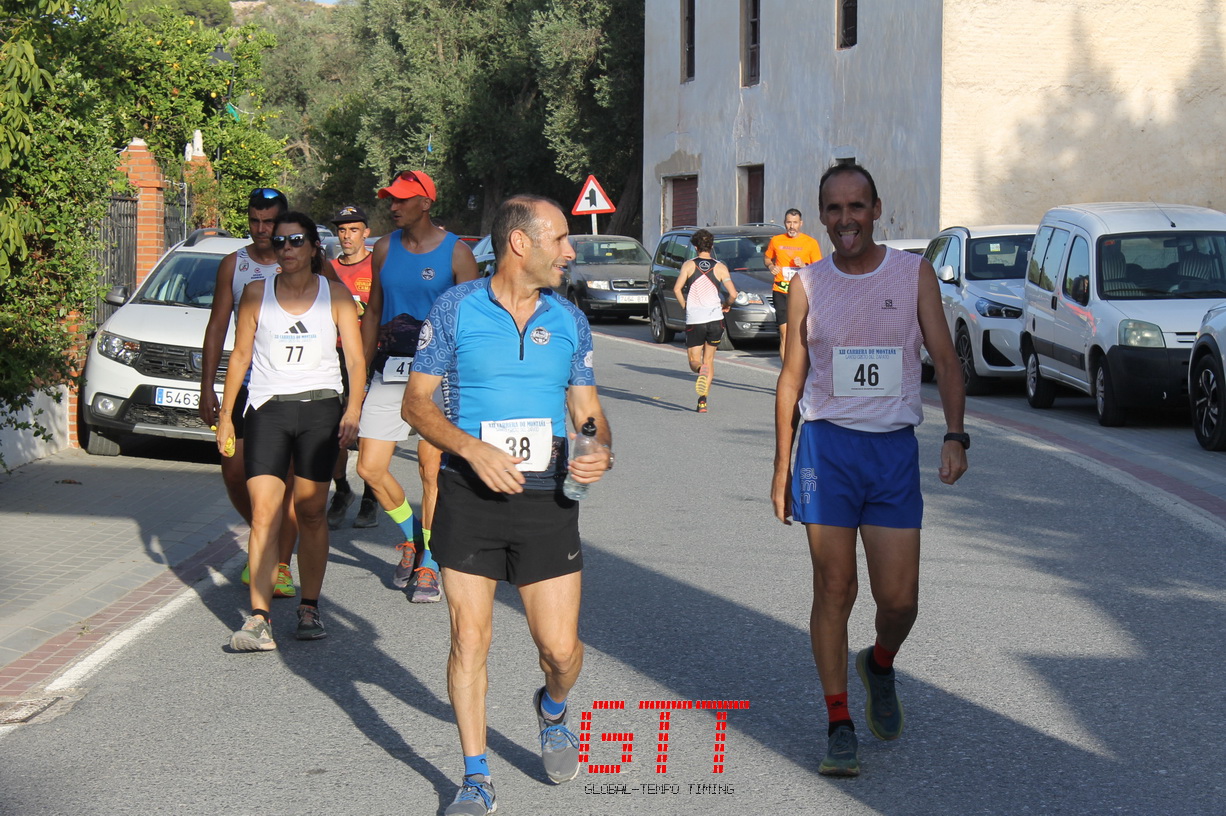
[1114, 296]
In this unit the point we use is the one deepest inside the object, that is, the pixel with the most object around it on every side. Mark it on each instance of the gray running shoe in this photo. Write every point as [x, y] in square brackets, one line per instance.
[559, 745]
[425, 586]
[336, 511]
[882, 708]
[255, 636]
[404, 569]
[368, 514]
[475, 798]
[310, 627]
[842, 754]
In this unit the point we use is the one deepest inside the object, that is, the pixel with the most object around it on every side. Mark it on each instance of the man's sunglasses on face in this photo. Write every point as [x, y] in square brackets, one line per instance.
[296, 240]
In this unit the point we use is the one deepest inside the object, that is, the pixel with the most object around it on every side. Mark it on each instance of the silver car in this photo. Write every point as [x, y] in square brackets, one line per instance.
[608, 276]
[982, 271]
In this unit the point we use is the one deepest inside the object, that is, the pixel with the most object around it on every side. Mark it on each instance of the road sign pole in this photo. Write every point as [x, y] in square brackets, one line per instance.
[593, 223]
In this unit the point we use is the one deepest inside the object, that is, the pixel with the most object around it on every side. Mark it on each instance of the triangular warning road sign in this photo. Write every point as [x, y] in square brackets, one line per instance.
[592, 199]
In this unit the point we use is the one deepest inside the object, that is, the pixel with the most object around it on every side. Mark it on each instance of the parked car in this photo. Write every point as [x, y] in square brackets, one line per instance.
[981, 272]
[741, 249]
[608, 277]
[142, 372]
[1115, 294]
[915, 246]
[1206, 386]
[483, 252]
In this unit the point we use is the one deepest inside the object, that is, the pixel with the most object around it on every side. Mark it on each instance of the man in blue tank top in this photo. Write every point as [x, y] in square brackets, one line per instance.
[517, 360]
[410, 268]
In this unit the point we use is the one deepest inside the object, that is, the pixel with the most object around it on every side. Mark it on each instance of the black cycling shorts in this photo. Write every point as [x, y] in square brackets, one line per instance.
[302, 431]
[521, 538]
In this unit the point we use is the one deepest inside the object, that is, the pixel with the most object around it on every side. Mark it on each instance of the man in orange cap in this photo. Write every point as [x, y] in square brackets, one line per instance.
[410, 268]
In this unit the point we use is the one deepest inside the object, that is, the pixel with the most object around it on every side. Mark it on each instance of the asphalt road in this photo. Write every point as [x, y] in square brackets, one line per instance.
[1064, 660]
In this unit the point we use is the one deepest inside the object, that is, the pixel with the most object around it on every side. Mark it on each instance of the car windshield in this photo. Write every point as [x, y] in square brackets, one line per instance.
[183, 279]
[1001, 257]
[742, 253]
[1162, 266]
[609, 252]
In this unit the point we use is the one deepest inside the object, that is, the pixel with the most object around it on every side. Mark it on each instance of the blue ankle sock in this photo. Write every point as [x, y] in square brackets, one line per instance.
[427, 560]
[550, 709]
[476, 765]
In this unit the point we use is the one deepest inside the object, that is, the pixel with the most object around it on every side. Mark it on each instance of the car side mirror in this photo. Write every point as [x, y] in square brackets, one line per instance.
[117, 296]
[946, 274]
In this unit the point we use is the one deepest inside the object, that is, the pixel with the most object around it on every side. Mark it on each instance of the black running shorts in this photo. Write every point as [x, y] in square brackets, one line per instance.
[304, 431]
[521, 538]
[697, 334]
[780, 301]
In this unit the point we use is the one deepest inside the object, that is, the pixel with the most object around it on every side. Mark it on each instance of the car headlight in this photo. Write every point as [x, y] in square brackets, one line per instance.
[990, 308]
[1141, 334]
[119, 349]
[598, 284]
[746, 298]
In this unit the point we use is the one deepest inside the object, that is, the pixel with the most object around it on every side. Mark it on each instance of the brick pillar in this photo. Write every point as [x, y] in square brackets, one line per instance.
[142, 170]
[138, 164]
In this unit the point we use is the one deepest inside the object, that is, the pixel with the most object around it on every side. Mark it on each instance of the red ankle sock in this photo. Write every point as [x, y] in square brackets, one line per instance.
[883, 657]
[836, 707]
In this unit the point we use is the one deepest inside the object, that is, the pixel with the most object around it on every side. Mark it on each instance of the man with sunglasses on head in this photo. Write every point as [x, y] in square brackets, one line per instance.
[410, 268]
[256, 261]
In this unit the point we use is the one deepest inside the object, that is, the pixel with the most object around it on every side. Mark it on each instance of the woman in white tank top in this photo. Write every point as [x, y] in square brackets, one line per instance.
[286, 334]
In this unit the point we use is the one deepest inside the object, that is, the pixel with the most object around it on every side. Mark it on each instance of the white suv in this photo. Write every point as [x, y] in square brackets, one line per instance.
[1114, 297]
[982, 270]
[142, 375]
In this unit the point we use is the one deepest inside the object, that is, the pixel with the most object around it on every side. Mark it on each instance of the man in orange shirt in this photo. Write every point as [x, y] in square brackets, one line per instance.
[785, 254]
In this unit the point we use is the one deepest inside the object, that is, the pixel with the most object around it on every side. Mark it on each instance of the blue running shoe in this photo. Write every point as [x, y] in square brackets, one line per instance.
[882, 708]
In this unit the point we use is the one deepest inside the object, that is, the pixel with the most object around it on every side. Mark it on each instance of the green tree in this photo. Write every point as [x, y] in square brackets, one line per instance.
[212, 13]
[589, 58]
[55, 170]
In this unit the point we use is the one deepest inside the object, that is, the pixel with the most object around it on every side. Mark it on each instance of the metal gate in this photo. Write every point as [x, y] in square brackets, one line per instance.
[118, 253]
[178, 214]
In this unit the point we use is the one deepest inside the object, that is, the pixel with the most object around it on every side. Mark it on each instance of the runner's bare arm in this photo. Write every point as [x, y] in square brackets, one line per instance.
[687, 269]
[240, 359]
[493, 465]
[583, 402]
[463, 264]
[787, 399]
[374, 301]
[345, 313]
[728, 284]
[949, 371]
[215, 338]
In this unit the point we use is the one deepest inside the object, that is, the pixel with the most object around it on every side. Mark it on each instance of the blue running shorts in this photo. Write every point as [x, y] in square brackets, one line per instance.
[848, 478]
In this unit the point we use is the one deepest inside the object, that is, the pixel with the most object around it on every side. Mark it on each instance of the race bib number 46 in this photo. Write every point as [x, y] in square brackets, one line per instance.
[867, 371]
[530, 438]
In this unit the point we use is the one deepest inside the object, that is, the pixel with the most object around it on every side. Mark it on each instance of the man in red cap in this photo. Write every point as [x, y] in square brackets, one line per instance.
[410, 268]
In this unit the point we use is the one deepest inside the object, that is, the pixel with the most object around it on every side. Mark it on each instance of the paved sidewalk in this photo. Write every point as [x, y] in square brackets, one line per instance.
[89, 544]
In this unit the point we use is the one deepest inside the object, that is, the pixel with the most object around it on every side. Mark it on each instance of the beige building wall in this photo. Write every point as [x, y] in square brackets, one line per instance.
[878, 101]
[1046, 103]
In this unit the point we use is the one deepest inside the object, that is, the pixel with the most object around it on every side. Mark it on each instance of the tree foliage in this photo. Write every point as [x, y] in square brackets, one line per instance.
[78, 80]
[212, 13]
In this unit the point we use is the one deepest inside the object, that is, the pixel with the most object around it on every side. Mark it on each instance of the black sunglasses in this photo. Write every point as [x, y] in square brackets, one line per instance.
[296, 240]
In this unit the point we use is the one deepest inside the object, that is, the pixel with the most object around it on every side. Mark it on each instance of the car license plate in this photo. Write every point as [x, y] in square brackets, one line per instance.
[177, 398]
[632, 298]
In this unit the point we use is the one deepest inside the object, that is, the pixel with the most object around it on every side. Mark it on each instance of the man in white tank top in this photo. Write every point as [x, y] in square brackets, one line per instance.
[697, 291]
[852, 373]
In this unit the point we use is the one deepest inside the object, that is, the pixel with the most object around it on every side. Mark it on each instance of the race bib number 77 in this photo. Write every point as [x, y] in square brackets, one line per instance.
[867, 371]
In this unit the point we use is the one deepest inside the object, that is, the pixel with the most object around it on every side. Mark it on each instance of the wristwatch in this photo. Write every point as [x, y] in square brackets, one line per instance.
[612, 458]
[963, 438]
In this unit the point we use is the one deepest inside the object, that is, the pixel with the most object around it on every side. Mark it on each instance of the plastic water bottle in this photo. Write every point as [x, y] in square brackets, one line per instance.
[585, 442]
